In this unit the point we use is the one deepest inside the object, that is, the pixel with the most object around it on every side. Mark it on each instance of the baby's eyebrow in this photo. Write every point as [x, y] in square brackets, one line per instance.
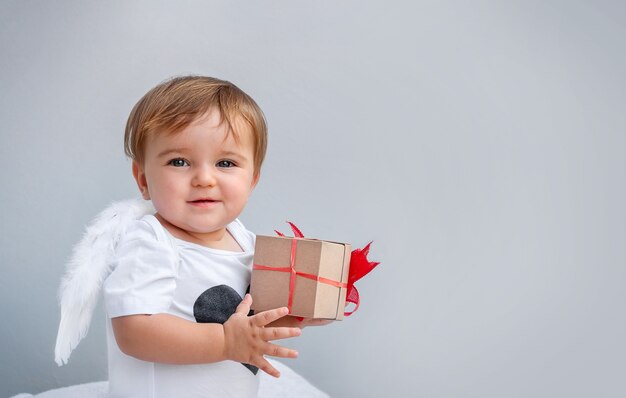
[170, 151]
[230, 153]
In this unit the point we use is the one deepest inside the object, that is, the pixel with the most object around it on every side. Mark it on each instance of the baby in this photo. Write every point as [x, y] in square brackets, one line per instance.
[178, 324]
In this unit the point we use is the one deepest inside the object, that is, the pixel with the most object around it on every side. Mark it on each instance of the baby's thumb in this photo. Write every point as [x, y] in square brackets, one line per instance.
[244, 306]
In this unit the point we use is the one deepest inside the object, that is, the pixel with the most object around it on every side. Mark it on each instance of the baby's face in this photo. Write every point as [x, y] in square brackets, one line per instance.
[199, 179]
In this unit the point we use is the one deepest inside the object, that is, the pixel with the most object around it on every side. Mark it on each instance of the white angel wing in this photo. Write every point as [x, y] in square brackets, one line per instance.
[87, 269]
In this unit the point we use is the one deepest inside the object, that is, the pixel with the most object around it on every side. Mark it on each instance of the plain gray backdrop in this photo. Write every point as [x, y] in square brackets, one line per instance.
[480, 145]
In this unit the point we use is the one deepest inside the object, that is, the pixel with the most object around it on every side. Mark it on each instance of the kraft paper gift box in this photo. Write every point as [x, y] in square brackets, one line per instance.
[308, 276]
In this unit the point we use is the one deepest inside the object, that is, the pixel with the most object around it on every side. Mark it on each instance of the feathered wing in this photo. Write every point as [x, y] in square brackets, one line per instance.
[87, 269]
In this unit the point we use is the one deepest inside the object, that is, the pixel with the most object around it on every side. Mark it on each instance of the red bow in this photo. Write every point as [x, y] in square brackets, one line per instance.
[359, 267]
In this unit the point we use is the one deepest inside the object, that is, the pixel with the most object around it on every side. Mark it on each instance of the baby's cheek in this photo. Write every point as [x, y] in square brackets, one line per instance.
[165, 192]
[161, 205]
[240, 197]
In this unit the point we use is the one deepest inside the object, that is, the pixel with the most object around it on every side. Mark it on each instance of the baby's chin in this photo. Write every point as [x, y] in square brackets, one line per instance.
[184, 230]
[211, 232]
[207, 231]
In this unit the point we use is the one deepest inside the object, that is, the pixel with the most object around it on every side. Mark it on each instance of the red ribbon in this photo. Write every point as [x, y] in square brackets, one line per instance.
[359, 267]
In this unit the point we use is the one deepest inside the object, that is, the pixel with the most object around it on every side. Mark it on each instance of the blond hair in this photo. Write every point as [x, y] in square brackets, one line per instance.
[174, 104]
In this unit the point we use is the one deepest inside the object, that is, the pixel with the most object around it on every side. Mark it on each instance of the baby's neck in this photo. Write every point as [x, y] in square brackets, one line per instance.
[219, 239]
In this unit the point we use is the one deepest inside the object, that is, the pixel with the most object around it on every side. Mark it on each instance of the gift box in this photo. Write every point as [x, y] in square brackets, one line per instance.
[308, 276]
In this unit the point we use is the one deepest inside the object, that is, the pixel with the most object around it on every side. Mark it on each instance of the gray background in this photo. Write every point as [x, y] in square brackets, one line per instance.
[479, 144]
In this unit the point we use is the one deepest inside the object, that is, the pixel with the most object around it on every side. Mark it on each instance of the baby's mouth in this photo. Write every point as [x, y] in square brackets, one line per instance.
[203, 202]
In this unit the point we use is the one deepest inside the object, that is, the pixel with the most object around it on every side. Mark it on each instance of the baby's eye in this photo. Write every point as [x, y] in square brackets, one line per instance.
[178, 162]
[225, 163]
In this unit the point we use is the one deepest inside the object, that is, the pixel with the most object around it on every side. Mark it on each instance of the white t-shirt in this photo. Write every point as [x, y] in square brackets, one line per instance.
[155, 272]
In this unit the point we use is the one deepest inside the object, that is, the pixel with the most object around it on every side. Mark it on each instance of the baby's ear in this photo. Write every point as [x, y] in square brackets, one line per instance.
[140, 178]
[255, 179]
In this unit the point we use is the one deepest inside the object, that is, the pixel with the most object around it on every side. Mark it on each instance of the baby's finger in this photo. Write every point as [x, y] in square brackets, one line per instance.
[267, 317]
[277, 333]
[265, 366]
[280, 351]
[244, 306]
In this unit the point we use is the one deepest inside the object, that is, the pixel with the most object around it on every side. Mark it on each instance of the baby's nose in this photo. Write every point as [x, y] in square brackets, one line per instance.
[204, 176]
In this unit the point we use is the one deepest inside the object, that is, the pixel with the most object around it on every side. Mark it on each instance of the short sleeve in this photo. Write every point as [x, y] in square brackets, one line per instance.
[145, 267]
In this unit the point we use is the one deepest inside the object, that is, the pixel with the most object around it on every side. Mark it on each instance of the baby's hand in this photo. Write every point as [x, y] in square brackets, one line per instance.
[246, 338]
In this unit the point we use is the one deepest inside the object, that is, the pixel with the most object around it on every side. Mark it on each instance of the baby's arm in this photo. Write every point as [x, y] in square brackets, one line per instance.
[169, 339]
